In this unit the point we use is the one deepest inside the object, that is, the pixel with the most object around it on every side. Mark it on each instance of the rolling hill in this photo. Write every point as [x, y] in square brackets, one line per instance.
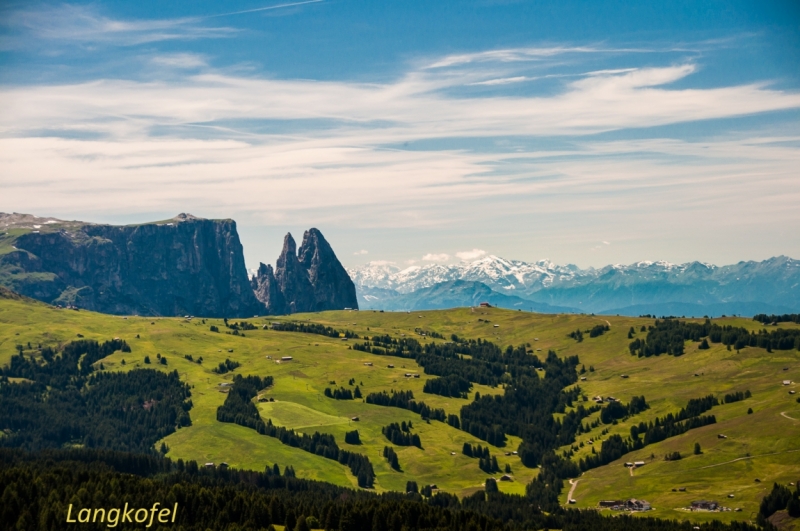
[759, 446]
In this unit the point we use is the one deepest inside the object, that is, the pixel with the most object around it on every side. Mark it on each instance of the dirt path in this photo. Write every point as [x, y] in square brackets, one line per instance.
[574, 483]
[783, 414]
[748, 457]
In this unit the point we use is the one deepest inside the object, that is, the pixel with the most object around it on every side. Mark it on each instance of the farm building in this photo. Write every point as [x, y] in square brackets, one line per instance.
[209, 465]
[506, 477]
[627, 505]
[610, 503]
[638, 463]
[368, 364]
[637, 505]
[787, 382]
[704, 505]
[354, 419]
[390, 366]
[485, 305]
[286, 358]
[223, 465]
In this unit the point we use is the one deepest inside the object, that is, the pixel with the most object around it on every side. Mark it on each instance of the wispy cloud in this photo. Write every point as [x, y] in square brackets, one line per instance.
[471, 255]
[436, 257]
[266, 8]
[510, 55]
[180, 60]
[361, 252]
[85, 24]
[501, 81]
[199, 144]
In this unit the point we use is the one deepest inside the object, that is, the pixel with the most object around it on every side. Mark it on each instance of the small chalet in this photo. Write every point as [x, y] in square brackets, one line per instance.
[485, 305]
[704, 505]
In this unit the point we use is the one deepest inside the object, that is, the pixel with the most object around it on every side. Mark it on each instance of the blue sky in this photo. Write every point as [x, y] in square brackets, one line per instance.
[582, 132]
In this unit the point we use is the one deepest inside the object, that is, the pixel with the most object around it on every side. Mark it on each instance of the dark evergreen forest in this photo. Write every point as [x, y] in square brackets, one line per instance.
[39, 487]
[69, 402]
[668, 337]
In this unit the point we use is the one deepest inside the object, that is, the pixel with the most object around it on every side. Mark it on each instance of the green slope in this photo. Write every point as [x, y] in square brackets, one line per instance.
[771, 435]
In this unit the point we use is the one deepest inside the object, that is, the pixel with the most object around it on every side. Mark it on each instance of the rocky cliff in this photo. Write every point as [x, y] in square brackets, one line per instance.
[310, 279]
[185, 265]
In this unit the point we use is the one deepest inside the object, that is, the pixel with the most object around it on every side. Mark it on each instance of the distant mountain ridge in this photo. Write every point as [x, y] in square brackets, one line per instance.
[642, 287]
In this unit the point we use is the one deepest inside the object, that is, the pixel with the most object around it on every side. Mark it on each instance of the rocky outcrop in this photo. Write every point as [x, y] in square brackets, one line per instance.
[266, 289]
[186, 265]
[309, 280]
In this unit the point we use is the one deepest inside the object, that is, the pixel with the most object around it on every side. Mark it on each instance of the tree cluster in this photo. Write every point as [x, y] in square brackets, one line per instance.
[352, 437]
[668, 337]
[452, 386]
[780, 498]
[487, 462]
[400, 434]
[342, 393]
[783, 318]
[313, 328]
[737, 396]
[226, 366]
[391, 457]
[617, 410]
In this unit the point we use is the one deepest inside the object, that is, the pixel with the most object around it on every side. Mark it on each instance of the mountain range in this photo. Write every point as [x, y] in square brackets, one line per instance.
[660, 288]
[181, 266]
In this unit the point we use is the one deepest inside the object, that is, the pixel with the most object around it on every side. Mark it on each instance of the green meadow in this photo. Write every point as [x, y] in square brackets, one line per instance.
[760, 448]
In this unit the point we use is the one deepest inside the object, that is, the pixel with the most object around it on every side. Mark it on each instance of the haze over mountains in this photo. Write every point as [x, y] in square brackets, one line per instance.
[662, 288]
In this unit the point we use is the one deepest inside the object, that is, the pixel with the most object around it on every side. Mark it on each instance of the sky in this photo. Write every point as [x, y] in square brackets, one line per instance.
[415, 132]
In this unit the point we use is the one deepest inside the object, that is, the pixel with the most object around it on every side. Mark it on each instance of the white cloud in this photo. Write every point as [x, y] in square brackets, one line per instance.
[179, 60]
[501, 81]
[606, 243]
[381, 262]
[510, 55]
[440, 257]
[361, 252]
[471, 255]
[209, 159]
[84, 24]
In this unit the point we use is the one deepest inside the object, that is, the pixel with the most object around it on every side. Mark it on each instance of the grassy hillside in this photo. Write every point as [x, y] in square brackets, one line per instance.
[764, 445]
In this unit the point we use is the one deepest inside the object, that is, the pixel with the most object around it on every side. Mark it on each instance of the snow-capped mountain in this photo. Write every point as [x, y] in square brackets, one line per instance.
[497, 273]
[643, 287]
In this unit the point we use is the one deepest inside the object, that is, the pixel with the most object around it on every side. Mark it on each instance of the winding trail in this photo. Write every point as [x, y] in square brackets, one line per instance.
[783, 414]
[574, 483]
